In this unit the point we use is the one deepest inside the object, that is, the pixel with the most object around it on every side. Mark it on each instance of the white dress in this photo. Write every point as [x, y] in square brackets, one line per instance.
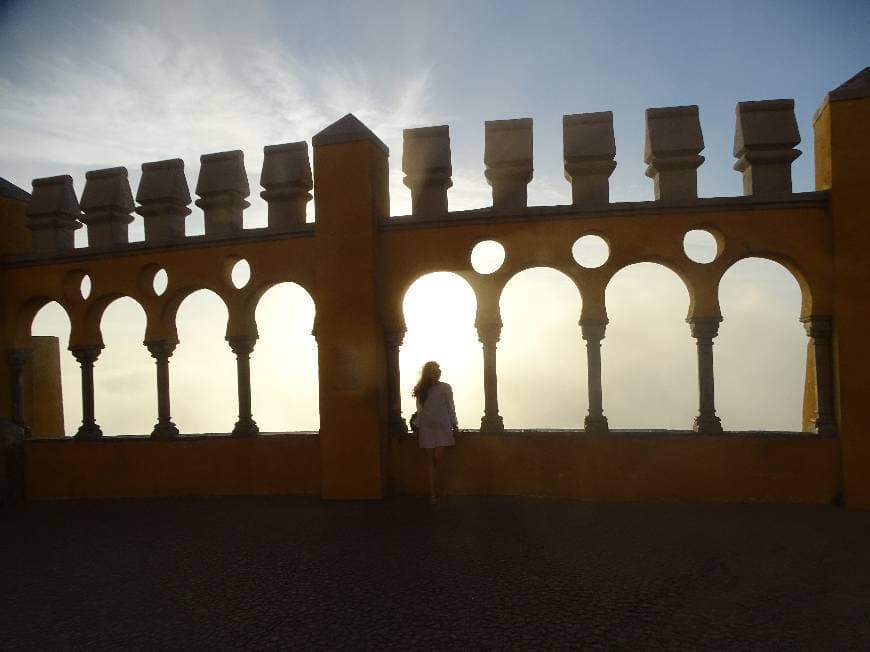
[437, 417]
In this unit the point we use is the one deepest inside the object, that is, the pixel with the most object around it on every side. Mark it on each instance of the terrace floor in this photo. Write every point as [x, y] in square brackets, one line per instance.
[485, 572]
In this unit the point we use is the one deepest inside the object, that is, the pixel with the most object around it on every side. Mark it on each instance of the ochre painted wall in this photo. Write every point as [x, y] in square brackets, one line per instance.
[130, 467]
[630, 466]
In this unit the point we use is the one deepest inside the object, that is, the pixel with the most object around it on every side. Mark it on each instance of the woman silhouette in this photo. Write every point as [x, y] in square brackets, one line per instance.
[436, 416]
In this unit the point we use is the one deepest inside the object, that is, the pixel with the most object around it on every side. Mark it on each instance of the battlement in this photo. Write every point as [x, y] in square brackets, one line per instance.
[765, 138]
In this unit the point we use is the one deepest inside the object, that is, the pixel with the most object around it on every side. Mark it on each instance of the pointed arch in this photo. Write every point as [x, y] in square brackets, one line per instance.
[284, 373]
[649, 365]
[761, 350]
[439, 311]
[542, 360]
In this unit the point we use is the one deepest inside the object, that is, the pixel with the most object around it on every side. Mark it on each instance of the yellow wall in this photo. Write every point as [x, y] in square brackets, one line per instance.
[357, 266]
[128, 467]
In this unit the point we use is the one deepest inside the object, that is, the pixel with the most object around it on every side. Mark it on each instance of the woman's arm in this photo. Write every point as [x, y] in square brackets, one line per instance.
[451, 408]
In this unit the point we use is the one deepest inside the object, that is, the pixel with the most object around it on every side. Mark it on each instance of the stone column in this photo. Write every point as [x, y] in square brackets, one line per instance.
[107, 202]
[820, 329]
[161, 350]
[489, 334]
[53, 214]
[428, 170]
[393, 341]
[222, 187]
[593, 333]
[508, 160]
[764, 145]
[671, 151]
[16, 359]
[286, 177]
[86, 357]
[704, 329]
[589, 148]
[243, 346]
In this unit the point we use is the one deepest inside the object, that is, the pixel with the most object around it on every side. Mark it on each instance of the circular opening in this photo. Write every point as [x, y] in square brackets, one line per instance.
[487, 257]
[241, 273]
[85, 286]
[161, 280]
[701, 246]
[590, 251]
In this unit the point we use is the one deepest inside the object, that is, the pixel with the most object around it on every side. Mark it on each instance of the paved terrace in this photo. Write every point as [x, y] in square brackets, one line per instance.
[282, 572]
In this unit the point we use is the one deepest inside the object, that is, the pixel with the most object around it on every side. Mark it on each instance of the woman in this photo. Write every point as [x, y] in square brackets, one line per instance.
[436, 416]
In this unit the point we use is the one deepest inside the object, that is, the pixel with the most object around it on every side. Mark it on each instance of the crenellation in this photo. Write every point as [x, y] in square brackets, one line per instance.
[107, 203]
[222, 187]
[53, 214]
[426, 162]
[164, 198]
[508, 161]
[764, 144]
[589, 148]
[672, 151]
[286, 177]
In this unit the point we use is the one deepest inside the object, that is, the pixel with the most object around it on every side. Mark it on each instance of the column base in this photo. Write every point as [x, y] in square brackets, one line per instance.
[825, 426]
[491, 423]
[707, 424]
[596, 423]
[245, 428]
[398, 425]
[166, 430]
[89, 432]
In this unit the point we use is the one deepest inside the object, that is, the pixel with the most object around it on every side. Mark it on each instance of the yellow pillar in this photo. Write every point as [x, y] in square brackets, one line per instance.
[842, 147]
[351, 199]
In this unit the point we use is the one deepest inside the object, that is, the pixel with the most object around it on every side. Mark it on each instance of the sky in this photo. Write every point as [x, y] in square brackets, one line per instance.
[88, 85]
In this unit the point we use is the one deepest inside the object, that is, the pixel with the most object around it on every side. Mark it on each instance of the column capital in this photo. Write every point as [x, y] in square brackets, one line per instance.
[593, 329]
[704, 328]
[488, 332]
[818, 326]
[394, 336]
[87, 354]
[242, 344]
[161, 348]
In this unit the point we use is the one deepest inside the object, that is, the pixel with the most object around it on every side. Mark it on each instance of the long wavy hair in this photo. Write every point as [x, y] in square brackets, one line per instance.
[429, 375]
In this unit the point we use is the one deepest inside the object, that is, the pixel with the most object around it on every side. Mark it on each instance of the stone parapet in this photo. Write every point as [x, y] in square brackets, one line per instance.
[286, 177]
[107, 202]
[426, 162]
[672, 151]
[222, 187]
[508, 160]
[764, 145]
[589, 150]
[164, 197]
[53, 214]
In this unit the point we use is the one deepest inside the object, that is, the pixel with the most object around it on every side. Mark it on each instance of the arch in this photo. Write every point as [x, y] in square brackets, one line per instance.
[649, 362]
[52, 319]
[542, 358]
[27, 313]
[203, 369]
[670, 265]
[760, 353]
[125, 394]
[99, 305]
[791, 267]
[439, 311]
[284, 372]
[169, 313]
